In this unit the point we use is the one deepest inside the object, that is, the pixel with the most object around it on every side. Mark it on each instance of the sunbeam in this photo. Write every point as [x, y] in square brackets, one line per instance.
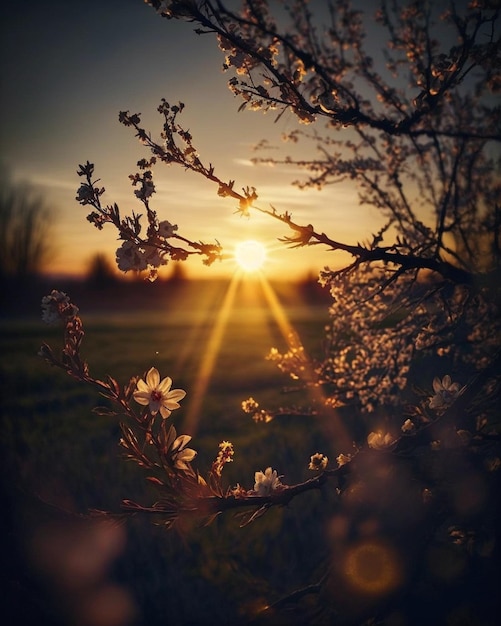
[209, 358]
[332, 424]
[200, 316]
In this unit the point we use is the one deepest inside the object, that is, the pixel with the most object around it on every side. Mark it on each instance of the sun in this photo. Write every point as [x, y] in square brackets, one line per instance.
[250, 255]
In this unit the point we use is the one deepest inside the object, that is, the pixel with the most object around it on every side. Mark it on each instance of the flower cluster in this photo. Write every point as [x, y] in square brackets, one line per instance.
[250, 406]
[56, 307]
[144, 248]
[370, 339]
[131, 256]
[294, 362]
[225, 455]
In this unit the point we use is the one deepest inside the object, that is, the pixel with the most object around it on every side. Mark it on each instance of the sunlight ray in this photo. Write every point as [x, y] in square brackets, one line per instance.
[200, 316]
[332, 424]
[209, 358]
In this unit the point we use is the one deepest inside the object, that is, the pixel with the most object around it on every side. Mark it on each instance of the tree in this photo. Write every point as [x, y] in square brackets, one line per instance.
[101, 273]
[417, 129]
[26, 220]
[419, 137]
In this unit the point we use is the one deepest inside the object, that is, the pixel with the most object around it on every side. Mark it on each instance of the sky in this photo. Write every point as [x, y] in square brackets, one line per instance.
[68, 68]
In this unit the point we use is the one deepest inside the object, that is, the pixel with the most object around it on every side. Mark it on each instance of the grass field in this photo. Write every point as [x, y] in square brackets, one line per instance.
[59, 457]
[61, 461]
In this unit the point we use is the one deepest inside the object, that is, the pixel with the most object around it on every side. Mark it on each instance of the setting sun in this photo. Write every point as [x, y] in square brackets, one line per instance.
[250, 255]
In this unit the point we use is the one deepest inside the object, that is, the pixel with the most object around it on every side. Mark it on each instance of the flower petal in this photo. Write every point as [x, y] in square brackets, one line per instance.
[152, 378]
[142, 397]
[437, 384]
[141, 385]
[180, 442]
[164, 411]
[436, 402]
[165, 385]
[187, 455]
[176, 395]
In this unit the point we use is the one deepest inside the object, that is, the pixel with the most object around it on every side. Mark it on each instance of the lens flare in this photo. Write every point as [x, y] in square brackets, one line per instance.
[373, 568]
[250, 255]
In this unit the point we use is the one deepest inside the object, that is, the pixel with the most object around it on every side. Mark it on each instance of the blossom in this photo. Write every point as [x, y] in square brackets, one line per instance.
[158, 393]
[154, 257]
[56, 307]
[446, 392]
[147, 189]
[318, 462]
[179, 453]
[250, 405]
[238, 491]
[266, 482]
[166, 229]
[85, 194]
[380, 441]
[130, 257]
[262, 416]
[342, 459]
[225, 455]
[408, 426]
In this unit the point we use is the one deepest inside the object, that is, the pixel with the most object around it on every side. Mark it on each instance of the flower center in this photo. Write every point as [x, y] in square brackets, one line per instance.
[156, 396]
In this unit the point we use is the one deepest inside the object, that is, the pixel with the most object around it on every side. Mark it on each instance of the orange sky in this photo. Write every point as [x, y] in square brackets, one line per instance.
[69, 70]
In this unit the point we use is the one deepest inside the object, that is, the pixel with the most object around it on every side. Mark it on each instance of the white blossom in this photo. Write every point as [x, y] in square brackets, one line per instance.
[266, 482]
[158, 393]
[180, 454]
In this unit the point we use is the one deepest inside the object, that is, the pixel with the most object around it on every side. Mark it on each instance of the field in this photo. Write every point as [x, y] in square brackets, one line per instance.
[62, 460]
[62, 464]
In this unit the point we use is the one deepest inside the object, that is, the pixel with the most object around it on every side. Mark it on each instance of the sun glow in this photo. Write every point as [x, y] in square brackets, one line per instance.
[250, 255]
[225, 306]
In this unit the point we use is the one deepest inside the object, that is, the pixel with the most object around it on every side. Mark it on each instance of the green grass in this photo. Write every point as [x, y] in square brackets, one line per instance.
[57, 450]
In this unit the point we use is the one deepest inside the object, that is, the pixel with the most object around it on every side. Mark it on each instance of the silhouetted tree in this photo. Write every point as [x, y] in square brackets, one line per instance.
[26, 220]
[100, 272]
[178, 273]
